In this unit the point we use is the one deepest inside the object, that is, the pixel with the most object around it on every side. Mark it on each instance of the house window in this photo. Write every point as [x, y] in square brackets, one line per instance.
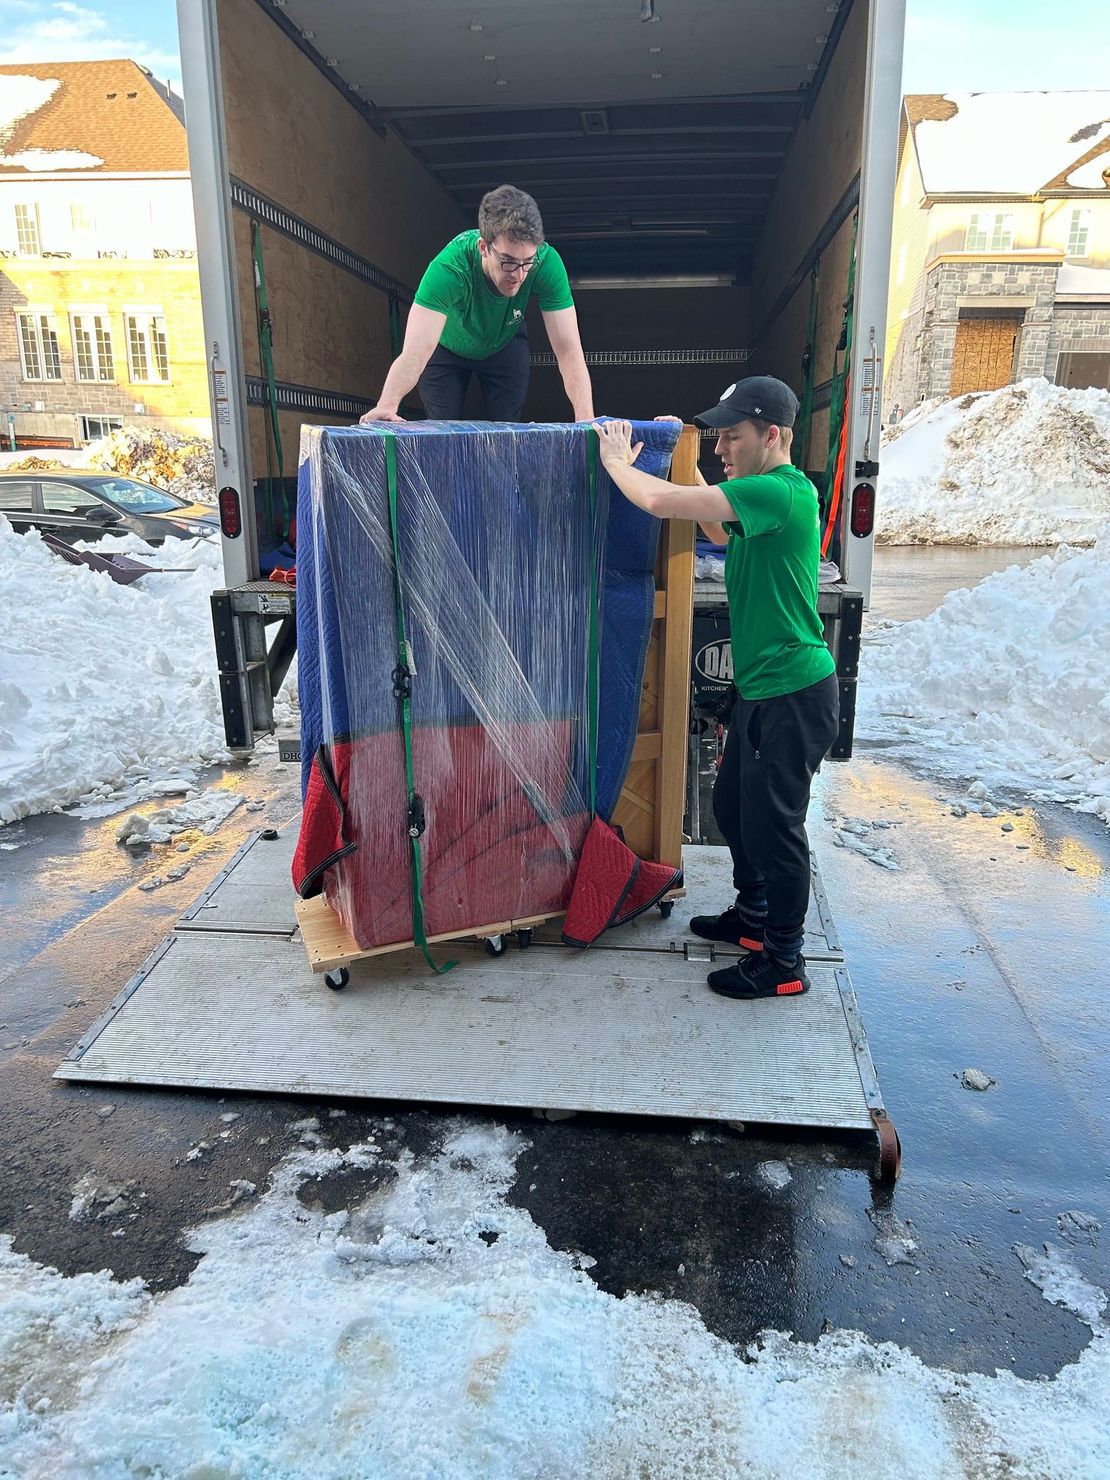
[1079, 232]
[83, 225]
[38, 346]
[27, 231]
[990, 233]
[148, 355]
[95, 427]
[92, 346]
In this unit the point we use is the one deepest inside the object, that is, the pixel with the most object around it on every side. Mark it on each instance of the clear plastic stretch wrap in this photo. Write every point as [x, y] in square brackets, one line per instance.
[474, 604]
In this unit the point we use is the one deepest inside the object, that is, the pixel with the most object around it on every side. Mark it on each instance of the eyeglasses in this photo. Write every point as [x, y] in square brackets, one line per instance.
[511, 264]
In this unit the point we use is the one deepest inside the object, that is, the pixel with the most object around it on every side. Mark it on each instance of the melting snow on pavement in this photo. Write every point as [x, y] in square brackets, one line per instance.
[1025, 465]
[433, 1332]
[1008, 682]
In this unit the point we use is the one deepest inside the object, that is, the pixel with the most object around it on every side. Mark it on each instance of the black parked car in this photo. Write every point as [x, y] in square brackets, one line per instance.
[84, 506]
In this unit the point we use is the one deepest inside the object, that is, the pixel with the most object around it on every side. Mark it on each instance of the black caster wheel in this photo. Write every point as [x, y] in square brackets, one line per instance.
[495, 945]
[337, 979]
[524, 939]
[666, 907]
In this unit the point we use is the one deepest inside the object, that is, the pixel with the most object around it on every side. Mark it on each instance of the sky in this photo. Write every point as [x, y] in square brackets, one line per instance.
[951, 45]
[61, 31]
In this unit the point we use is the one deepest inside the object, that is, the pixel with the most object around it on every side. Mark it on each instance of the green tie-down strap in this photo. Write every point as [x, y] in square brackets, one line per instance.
[266, 344]
[592, 657]
[402, 688]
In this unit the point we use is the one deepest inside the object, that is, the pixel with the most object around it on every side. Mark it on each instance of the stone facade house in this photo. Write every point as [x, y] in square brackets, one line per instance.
[1000, 264]
[100, 318]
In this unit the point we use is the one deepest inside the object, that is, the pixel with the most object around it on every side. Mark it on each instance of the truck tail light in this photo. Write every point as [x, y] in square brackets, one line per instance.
[862, 520]
[231, 517]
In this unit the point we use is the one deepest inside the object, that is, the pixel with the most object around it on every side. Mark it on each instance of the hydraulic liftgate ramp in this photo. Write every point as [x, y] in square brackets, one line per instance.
[228, 1001]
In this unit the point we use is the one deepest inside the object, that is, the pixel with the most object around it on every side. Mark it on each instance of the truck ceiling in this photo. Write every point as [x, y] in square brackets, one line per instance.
[648, 130]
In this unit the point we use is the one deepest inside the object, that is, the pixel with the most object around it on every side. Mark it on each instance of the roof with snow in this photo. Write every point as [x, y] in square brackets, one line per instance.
[1015, 143]
[100, 117]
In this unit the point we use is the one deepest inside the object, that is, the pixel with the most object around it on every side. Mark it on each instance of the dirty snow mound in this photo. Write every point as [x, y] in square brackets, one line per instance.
[1009, 681]
[1025, 465]
[432, 1330]
[97, 680]
[182, 465]
[912, 417]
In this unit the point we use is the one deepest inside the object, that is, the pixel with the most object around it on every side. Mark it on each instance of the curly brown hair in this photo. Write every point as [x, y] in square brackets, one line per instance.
[509, 212]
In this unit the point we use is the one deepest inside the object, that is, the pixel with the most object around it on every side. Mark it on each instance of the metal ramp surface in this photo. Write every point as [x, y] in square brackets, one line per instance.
[253, 895]
[228, 1001]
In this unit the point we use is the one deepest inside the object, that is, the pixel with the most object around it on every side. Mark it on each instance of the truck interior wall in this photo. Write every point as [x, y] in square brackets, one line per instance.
[822, 163]
[660, 318]
[290, 129]
[309, 298]
[295, 139]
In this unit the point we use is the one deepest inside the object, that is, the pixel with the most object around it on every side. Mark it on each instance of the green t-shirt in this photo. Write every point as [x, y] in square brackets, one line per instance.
[480, 320]
[771, 562]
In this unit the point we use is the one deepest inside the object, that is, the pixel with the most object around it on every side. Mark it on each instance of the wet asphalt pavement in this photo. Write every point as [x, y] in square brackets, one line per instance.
[985, 949]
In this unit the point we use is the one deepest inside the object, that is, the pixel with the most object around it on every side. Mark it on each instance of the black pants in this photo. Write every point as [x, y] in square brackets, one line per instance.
[761, 796]
[503, 379]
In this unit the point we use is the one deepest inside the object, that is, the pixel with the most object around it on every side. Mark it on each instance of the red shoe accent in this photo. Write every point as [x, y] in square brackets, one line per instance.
[789, 989]
[750, 945]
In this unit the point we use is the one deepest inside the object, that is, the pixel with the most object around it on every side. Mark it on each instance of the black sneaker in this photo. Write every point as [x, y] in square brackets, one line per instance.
[761, 976]
[729, 929]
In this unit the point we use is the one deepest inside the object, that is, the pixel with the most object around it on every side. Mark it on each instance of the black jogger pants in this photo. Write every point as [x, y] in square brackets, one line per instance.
[761, 795]
[503, 379]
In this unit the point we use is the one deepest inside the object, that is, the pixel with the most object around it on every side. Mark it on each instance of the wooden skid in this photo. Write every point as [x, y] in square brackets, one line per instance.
[329, 944]
[653, 797]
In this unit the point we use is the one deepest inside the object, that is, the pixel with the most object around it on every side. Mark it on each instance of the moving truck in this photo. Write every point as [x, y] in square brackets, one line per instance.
[717, 176]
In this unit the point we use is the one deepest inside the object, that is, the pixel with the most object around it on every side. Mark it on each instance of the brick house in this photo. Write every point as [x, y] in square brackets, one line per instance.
[1000, 262]
[100, 318]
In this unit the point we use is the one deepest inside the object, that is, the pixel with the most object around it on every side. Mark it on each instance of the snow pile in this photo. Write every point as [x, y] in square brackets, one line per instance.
[204, 814]
[857, 835]
[432, 1331]
[917, 413]
[180, 464]
[101, 683]
[1025, 465]
[1009, 682]
[34, 463]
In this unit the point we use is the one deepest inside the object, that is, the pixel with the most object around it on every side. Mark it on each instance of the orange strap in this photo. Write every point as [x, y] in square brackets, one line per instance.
[838, 476]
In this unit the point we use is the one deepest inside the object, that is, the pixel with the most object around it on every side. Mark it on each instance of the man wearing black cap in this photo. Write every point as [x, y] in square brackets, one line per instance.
[787, 710]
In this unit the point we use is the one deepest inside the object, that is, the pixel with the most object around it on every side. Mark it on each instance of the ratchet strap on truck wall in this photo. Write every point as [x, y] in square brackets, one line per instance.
[809, 357]
[266, 354]
[838, 406]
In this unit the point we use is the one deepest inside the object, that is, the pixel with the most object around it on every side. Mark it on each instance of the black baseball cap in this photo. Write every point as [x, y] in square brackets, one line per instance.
[759, 395]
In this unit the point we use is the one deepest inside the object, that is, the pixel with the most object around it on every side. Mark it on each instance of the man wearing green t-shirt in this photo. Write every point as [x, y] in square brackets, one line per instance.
[786, 714]
[468, 319]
